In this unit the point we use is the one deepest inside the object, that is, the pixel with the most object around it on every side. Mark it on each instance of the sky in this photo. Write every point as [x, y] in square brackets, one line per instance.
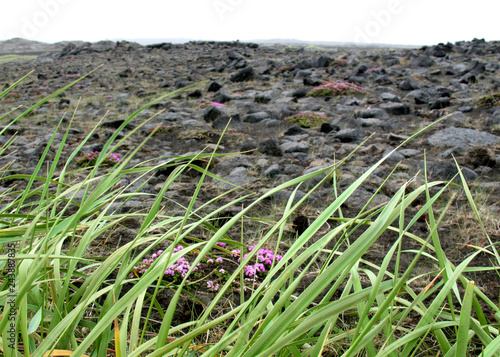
[406, 22]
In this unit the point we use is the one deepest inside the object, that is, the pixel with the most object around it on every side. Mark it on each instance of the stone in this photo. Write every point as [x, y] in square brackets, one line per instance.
[480, 156]
[294, 130]
[255, 117]
[390, 97]
[408, 84]
[222, 97]
[440, 103]
[238, 177]
[422, 61]
[419, 96]
[246, 74]
[371, 113]
[234, 121]
[212, 113]
[272, 171]
[462, 137]
[290, 147]
[181, 83]
[446, 170]
[350, 135]
[213, 86]
[328, 128]
[395, 108]
[270, 147]
[393, 158]
[264, 97]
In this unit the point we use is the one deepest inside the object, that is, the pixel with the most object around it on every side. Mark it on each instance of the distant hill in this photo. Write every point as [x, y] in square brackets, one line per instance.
[285, 42]
[21, 46]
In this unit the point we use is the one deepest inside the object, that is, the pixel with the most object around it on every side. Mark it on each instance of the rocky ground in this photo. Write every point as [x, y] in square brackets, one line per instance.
[258, 87]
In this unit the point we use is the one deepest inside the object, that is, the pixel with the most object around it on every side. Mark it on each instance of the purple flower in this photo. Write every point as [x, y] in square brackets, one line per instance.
[249, 270]
[220, 244]
[236, 253]
[259, 267]
[213, 286]
[219, 260]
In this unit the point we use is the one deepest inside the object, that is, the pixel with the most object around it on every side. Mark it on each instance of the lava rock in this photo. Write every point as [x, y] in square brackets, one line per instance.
[480, 156]
[462, 137]
[246, 74]
[349, 135]
[396, 108]
[270, 147]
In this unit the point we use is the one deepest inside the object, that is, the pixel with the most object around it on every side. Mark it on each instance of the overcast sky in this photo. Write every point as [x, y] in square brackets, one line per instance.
[413, 22]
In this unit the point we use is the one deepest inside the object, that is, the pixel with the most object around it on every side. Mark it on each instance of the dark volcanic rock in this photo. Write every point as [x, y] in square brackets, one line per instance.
[422, 61]
[214, 86]
[440, 103]
[294, 130]
[463, 137]
[480, 156]
[396, 108]
[350, 135]
[270, 147]
[255, 117]
[328, 128]
[372, 113]
[233, 120]
[409, 84]
[115, 124]
[446, 170]
[246, 74]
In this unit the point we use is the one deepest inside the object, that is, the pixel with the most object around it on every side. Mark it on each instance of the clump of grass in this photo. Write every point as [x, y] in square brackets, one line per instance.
[67, 302]
[489, 101]
[307, 120]
[335, 89]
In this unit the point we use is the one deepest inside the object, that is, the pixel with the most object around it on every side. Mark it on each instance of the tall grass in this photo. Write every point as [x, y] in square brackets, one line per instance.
[67, 301]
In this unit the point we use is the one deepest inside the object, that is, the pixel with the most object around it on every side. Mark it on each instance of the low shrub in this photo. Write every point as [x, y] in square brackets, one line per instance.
[489, 101]
[307, 120]
[335, 89]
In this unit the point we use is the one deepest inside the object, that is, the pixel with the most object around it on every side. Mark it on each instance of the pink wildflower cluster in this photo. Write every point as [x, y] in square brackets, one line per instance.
[335, 89]
[178, 269]
[265, 258]
[212, 285]
[215, 265]
[91, 158]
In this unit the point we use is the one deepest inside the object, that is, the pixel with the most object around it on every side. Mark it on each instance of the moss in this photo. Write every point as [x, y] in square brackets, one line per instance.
[335, 89]
[307, 120]
[16, 58]
[489, 101]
